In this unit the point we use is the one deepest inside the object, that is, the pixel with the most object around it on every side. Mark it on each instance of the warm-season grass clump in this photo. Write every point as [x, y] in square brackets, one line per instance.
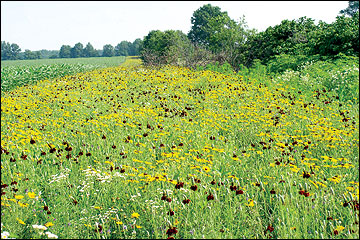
[143, 153]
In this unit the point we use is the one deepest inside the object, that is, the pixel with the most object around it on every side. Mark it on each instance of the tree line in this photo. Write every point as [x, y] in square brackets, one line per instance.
[215, 37]
[124, 48]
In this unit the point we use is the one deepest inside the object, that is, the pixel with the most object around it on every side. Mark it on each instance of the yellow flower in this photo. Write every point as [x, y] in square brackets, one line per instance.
[137, 226]
[23, 204]
[19, 197]
[49, 224]
[135, 215]
[339, 228]
[31, 194]
[20, 221]
[206, 168]
[119, 223]
[251, 203]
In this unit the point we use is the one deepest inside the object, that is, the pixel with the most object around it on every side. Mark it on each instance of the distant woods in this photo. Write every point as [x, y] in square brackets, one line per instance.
[12, 51]
[215, 37]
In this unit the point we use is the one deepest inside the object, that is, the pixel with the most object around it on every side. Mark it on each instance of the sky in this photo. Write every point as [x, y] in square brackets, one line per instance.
[37, 25]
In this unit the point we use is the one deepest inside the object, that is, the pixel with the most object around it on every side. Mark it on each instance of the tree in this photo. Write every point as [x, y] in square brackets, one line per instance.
[29, 54]
[226, 38]
[108, 50]
[136, 47]
[5, 50]
[288, 37]
[341, 36]
[199, 32]
[77, 51]
[10, 51]
[123, 48]
[89, 51]
[65, 51]
[167, 47]
[353, 7]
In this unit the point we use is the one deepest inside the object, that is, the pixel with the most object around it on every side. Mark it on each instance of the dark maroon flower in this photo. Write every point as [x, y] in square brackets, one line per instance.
[272, 191]
[210, 197]
[194, 188]
[99, 229]
[302, 192]
[239, 191]
[179, 185]
[163, 197]
[270, 228]
[68, 148]
[32, 141]
[171, 231]
[186, 201]
[171, 213]
[213, 182]
[168, 199]
[306, 175]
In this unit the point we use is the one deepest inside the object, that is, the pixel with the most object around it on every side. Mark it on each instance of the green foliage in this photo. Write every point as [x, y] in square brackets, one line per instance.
[352, 8]
[32, 55]
[123, 48]
[200, 32]
[9, 51]
[108, 50]
[77, 51]
[167, 47]
[339, 76]
[89, 51]
[289, 37]
[220, 68]
[282, 62]
[65, 51]
[341, 36]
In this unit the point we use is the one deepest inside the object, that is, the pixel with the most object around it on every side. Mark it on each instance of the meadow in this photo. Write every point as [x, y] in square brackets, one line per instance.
[169, 152]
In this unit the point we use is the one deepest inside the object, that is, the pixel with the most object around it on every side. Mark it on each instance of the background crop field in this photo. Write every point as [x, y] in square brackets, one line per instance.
[135, 152]
[22, 72]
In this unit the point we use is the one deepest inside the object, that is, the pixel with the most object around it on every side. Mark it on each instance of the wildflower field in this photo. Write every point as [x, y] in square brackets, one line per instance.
[136, 152]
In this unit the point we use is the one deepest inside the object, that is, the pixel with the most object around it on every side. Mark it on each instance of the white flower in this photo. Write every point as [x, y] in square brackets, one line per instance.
[5, 235]
[41, 227]
[51, 235]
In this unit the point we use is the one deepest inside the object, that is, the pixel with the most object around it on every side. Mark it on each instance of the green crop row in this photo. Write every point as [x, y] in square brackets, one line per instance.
[25, 72]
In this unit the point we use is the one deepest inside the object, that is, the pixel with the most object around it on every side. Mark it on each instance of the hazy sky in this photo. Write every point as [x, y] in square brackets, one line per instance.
[37, 25]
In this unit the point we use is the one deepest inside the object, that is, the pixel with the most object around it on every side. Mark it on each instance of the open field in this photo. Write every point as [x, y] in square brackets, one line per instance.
[133, 152]
[22, 72]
